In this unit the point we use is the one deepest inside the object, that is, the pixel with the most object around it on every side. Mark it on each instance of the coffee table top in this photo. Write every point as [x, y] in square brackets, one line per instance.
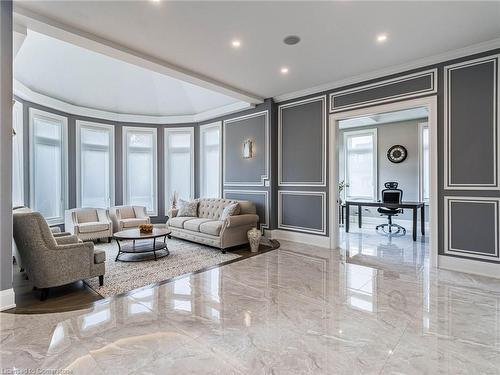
[135, 234]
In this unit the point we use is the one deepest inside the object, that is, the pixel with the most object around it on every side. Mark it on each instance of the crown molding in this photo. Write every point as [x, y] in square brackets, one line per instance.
[25, 93]
[420, 63]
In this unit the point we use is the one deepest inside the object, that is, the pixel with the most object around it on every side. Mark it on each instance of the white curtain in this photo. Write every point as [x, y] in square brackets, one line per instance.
[210, 162]
[179, 163]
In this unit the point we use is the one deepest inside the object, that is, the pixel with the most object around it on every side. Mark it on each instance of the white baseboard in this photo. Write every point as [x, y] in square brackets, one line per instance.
[469, 266]
[7, 299]
[310, 239]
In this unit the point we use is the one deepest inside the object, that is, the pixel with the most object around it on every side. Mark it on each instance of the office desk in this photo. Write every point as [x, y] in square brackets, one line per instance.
[409, 205]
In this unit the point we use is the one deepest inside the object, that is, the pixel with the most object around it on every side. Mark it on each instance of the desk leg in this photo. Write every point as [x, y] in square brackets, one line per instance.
[359, 217]
[422, 220]
[347, 217]
[414, 224]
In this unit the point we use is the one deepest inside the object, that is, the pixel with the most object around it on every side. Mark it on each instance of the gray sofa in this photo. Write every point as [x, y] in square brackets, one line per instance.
[53, 261]
[208, 229]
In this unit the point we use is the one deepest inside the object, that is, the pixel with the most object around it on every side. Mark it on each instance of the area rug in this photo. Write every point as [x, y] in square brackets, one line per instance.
[185, 257]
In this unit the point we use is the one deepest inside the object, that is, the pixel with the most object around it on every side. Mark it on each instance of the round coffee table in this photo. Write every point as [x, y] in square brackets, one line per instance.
[132, 241]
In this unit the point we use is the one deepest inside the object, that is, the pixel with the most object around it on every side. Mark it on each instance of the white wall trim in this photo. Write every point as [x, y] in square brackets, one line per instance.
[397, 69]
[27, 94]
[308, 239]
[447, 227]
[447, 125]
[153, 131]
[255, 192]
[469, 266]
[33, 113]
[78, 37]
[321, 194]
[167, 132]
[321, 183]
[265, 176]
[431, 90]
[7, 299]
[217, 124]
[421, 166]
[89, 125]
[430, 102]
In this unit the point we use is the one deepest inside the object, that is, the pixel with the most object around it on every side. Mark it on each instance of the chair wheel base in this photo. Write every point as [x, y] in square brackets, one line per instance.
[391, 229]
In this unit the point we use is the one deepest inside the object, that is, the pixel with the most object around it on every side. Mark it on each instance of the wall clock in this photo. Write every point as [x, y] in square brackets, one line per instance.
[397, 154]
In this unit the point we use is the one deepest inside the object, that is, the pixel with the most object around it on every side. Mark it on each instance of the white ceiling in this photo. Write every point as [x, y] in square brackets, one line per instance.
[384, 118]
[338, 38]
[88, 79]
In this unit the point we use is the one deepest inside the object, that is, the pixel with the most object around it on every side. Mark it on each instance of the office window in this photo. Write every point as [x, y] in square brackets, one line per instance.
[139, 168]
[95, 164]
[17, 156]
[179, 163]
[48, 165]
[210, 150]
[424, 161]
[360, 155]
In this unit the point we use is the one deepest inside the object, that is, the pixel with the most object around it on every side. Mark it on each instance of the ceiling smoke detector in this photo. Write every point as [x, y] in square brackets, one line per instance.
[291, 40]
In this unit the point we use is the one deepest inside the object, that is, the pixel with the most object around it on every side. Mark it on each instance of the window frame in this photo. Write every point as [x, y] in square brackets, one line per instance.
[94, 125]
[167, 132]
[204, 128]
[149, 130]
[37, 113]
[18, 127]
[373, 133]
[421, 127]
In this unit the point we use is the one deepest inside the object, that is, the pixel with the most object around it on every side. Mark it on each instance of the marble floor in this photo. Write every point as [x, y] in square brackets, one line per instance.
[374, 307]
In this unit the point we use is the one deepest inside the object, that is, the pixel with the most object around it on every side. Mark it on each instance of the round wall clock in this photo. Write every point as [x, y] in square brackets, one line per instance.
[397, 154]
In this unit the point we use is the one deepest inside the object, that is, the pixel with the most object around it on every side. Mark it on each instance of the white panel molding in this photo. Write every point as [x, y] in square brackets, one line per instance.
[264, 177]
[255, 192]
[25, 93]
[432, 90]
[321, 183]
[469, 253]
[447, 125]
[468, 266]
[7, 299]
[321, 194]
[398, 69]
[89, 125]
[310, 239]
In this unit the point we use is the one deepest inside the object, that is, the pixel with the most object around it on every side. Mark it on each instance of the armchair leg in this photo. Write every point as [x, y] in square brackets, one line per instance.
[101, 280]
[223, 251]
[45, 294]
[109, 239]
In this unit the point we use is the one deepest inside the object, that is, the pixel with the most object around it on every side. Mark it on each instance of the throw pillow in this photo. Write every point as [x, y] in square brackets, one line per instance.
[188, 208]
[230, 210]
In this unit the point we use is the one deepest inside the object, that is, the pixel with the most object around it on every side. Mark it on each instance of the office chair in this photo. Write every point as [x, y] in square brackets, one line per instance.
[391, 197]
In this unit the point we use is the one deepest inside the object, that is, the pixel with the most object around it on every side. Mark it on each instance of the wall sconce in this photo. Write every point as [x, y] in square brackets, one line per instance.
[247, 149]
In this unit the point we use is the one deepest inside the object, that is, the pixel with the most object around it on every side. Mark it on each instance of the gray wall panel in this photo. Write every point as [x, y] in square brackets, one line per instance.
[238, 170]
[471, 128]
[302, 211]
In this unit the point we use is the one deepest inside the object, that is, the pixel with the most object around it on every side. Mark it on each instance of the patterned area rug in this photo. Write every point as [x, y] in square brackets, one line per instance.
[185, 257]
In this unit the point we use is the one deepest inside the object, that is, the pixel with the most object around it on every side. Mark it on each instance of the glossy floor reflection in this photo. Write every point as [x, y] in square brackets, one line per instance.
[374, 307]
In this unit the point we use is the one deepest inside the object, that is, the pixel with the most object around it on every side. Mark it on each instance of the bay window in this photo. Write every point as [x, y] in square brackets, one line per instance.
[360, 158]
[179, 163]
[139, 167]
[95, 164]
[48, 165]
[210, 154]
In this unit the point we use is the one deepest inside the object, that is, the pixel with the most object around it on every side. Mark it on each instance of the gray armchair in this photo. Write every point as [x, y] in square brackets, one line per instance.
[53, 261]
[127, 217]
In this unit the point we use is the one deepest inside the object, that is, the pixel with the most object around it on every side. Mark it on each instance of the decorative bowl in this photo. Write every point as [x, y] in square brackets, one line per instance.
[146, 228]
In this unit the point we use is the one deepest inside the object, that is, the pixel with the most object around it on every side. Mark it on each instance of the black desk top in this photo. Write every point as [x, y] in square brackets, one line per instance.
[404, 204]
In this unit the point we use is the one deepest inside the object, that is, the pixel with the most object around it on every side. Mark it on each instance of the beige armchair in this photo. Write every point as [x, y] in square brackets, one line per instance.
[88, 223]
[127, 217]
[51, 261]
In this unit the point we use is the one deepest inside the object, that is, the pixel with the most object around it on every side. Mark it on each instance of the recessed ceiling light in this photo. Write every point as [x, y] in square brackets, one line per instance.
[236, 43]
[284, 70]
[291, 40]
[381, 38]
[155, 1]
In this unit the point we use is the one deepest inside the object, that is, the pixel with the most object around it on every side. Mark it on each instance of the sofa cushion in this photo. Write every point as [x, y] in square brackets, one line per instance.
[133, 223]
[178, 222]
[194, 224]
[127, 212]
[86, 215]
[188, 208]
[99, 256]
[230, 210]
[92, 227]
[212, 227]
